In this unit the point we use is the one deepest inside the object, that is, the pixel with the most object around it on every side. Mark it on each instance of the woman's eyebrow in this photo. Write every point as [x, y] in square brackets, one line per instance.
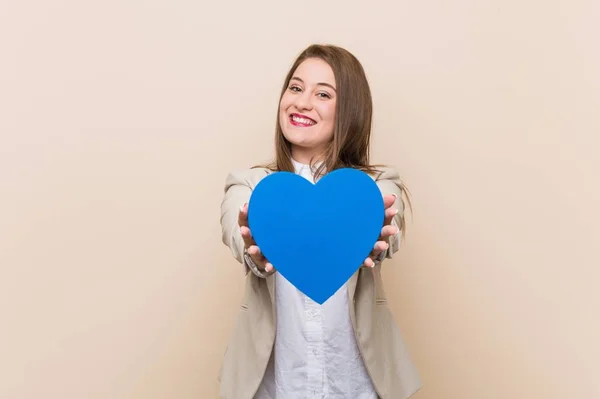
[318, 84]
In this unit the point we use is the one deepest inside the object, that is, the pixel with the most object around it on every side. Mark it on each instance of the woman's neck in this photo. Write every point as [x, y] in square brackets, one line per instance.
[306, 155]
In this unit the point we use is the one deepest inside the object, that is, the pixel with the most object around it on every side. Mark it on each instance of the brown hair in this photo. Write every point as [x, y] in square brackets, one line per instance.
[350, 146]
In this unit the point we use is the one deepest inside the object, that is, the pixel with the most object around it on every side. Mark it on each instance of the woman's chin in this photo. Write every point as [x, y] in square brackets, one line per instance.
[295, 137]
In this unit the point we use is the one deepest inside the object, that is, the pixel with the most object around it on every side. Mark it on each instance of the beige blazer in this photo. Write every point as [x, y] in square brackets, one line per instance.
[248, 352]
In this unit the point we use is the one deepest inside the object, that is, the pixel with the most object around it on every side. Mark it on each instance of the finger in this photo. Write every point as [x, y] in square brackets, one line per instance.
[389, 215]
[247, 236]
[389, 199]
[243, 215]
[256, 253]
[369, 262]
[259, 259]
[268, 267]
[378, 248]
[388, 231]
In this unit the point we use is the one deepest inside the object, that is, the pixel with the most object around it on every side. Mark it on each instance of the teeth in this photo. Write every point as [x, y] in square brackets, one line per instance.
[304, 121]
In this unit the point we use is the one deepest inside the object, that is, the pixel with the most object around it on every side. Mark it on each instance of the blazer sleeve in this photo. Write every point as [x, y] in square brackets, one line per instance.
[389, 183]
[237, 192]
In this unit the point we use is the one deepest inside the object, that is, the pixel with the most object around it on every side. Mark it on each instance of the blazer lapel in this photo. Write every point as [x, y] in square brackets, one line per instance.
[352, 286]
[271, 287]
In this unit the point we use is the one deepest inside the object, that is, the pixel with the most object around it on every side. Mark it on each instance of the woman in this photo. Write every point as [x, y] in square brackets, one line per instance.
[285, 345]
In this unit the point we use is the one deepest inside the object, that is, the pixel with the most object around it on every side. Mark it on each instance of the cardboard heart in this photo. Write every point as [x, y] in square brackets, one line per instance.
[316, 235]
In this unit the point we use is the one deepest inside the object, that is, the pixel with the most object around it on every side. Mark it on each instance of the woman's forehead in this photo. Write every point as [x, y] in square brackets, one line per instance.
[314, 71]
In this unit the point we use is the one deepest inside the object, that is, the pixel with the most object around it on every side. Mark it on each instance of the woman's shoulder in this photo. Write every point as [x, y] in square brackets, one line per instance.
[246, 176]
[386, 172]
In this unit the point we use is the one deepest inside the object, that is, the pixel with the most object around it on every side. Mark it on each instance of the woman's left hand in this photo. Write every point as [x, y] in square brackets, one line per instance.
[387, 230]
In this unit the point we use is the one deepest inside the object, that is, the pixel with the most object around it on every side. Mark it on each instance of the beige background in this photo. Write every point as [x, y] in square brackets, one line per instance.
[119, 121]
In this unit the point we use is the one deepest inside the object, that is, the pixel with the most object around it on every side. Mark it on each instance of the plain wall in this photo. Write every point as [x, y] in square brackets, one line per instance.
[119, 121]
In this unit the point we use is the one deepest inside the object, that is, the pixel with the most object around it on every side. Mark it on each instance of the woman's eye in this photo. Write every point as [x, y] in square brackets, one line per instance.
[295, 88]
[324, 95]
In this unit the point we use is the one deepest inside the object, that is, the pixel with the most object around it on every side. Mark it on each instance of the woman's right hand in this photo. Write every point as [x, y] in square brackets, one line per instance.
[249, 243]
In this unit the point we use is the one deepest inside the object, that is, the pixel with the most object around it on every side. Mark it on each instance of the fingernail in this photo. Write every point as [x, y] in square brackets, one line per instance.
[395, 195]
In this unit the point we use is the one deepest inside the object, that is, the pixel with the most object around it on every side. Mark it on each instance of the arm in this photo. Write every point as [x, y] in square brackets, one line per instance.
[238, 189]
[389, 183]
[237, 193]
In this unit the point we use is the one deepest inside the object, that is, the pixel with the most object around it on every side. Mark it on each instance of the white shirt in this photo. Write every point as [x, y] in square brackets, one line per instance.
[315, 353]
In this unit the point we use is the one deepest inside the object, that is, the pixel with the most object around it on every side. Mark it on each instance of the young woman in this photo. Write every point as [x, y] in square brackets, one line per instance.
[284, 345]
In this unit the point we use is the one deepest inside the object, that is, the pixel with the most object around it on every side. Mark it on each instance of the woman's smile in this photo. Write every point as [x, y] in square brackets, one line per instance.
[301, 120]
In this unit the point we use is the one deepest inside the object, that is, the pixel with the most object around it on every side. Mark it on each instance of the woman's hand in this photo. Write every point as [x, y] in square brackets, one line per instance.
[386, 231]
[249, 243]
[381, 245]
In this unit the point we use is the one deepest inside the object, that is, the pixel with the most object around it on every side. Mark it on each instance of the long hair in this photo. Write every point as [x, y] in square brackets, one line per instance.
[350, 146]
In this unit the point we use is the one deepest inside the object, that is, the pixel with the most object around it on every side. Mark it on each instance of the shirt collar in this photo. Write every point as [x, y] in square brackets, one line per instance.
[299, 166]
[303, 167]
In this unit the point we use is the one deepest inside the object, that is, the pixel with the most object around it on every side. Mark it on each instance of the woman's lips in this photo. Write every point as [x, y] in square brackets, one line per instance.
[301, 120]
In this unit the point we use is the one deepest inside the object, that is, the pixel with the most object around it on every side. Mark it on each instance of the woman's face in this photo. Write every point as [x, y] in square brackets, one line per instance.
[307, 109]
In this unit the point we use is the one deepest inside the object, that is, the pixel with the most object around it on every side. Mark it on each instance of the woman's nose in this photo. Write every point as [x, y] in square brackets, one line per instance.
[303, 101]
